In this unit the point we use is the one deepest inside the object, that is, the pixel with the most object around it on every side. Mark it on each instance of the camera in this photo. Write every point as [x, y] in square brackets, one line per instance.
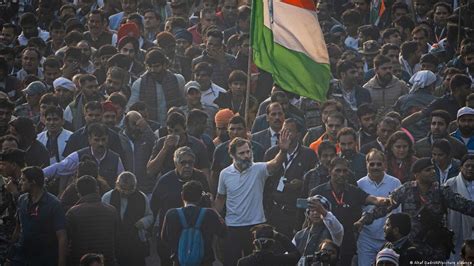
[319, 257]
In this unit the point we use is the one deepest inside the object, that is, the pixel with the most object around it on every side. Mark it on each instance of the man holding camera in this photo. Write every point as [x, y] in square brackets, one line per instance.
[320, 224]
[265, 239]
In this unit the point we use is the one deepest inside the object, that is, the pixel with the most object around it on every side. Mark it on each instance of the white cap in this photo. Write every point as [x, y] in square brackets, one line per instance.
[64, 83]
[465, 111]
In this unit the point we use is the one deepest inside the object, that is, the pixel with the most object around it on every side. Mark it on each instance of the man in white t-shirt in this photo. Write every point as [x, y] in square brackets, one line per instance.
[241, 190]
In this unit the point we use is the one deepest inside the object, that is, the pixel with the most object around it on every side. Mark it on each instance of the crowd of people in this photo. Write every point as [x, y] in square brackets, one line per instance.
[130, 128]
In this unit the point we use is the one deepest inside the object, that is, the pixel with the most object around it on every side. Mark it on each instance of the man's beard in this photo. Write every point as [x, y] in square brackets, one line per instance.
[466, 131]
[348, 153]
[386, 78]
[390, 237]
[243, 164]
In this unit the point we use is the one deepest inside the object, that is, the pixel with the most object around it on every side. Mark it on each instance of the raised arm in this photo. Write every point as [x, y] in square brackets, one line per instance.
[283, 143]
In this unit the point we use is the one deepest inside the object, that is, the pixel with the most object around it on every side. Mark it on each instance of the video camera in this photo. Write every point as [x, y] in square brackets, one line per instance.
[320, 256]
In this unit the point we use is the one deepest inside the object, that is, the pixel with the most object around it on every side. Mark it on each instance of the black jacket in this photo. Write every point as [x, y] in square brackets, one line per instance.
[271, 258]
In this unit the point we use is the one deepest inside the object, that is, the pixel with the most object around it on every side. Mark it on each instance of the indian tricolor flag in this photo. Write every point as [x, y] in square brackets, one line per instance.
[287, 41]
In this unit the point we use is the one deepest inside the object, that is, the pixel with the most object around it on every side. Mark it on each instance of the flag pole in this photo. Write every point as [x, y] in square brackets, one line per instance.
[249, 73]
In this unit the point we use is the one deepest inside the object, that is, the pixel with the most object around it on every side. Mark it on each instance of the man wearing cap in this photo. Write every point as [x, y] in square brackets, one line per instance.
[465, 131]
[321, 224]
[387, 257]
[11, 163]
[426, 203]
[376, 183]
[369, 50]
[31, 108]
[420, 95]
[193, 101]
[184, 39]
[221, 120]
[64, 89]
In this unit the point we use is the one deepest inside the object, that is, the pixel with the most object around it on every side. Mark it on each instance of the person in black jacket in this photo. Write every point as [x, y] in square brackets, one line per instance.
[266, 241]
[212, 223]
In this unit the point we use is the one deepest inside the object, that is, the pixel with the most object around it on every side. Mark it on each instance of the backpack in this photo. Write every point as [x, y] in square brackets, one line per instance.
[191, 243]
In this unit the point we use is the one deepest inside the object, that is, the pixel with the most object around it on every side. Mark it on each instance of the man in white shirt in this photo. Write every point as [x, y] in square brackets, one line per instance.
[241, 190]
[462, 225]
[380, 184]
[209, 90]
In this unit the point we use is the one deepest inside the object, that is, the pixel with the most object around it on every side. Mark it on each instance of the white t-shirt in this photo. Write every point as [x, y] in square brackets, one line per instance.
[244, 192]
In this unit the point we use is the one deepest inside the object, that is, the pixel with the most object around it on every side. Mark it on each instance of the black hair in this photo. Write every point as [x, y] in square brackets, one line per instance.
[49, 99]
[366, 109]
[237, 119]
[155, 56]
[7, 104]
[326, 145]
[203, 66]
[299, 126]
[459, 80]
[402, 221]
[442, 114]
[175, 119]
[408, 48]
[344, 65]
[34, 174]
[54, 110]
[443, 145]
[192, 191]
[97, 129]
[86, 185]
[380, 60]
[88, 166]
[467, 157]
[196, 116]
[215, 34]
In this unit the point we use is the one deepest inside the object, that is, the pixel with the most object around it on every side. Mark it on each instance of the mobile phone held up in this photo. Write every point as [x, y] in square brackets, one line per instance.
[302, 203]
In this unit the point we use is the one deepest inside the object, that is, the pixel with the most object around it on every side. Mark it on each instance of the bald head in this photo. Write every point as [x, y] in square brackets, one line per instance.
[133, 116]
[134, 124]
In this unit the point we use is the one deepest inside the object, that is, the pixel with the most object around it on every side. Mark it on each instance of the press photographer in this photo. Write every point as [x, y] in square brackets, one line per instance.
[266, 241]
[320, 225]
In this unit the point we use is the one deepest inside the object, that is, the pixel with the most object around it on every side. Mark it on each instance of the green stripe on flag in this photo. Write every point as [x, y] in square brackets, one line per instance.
[293, 71]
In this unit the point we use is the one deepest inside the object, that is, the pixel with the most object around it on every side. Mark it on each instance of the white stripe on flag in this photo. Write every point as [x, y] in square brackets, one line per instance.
[297, 29]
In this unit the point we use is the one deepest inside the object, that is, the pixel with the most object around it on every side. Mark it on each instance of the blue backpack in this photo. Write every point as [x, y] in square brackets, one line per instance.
[191, 243]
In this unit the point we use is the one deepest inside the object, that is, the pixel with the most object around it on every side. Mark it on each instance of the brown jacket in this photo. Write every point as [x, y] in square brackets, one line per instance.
[91, 228]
